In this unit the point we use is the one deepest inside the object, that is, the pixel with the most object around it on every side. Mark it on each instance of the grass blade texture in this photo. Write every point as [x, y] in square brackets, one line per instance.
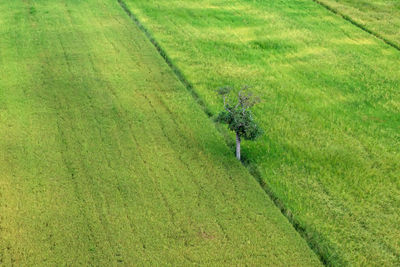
[330, 111]
[106, 159]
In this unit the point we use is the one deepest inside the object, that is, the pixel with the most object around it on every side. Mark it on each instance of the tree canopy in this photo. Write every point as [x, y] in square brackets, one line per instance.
[238, 115]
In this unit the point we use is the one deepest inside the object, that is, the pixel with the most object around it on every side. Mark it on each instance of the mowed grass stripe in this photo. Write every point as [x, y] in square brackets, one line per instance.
[106, 159]
[330, 111]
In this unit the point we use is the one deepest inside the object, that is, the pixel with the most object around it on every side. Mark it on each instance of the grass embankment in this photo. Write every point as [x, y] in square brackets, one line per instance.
[330, 110]
[105, 158]
[381, 17]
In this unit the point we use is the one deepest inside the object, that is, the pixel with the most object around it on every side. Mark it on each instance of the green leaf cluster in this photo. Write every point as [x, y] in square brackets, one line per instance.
[237, 113]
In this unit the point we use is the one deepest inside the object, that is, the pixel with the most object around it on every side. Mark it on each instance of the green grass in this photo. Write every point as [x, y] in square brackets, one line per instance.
[330, 111]
[382, 17]
[106, 159]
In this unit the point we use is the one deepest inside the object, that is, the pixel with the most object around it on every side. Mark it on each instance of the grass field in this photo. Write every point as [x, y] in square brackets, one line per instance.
[106, 159]
[331, 105]
[382, 17]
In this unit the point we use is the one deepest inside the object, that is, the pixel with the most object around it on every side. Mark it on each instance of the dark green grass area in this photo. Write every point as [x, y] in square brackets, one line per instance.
[381, 17]
[330, 111]
[106, 159]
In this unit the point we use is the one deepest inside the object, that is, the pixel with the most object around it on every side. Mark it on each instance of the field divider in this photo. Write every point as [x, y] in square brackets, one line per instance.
[254, 172]
[359, 25]
[167, 59]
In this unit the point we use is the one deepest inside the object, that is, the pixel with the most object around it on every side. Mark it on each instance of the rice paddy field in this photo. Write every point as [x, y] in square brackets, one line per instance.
[106, 159]
[382, 17]
[330, 110]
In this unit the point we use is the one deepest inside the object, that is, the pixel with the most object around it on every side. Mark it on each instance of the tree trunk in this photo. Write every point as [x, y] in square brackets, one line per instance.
[237, 146]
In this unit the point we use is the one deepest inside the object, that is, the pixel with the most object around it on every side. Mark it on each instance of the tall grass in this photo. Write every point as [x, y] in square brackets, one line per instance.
[106, 159]
[331, 104]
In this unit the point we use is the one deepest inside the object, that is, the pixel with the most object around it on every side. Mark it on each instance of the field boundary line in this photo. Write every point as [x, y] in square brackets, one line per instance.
[357, 24]
[167, 59]
[304, 234]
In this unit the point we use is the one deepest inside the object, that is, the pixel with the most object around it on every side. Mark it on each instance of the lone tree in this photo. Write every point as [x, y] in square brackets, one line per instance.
[237, 114]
